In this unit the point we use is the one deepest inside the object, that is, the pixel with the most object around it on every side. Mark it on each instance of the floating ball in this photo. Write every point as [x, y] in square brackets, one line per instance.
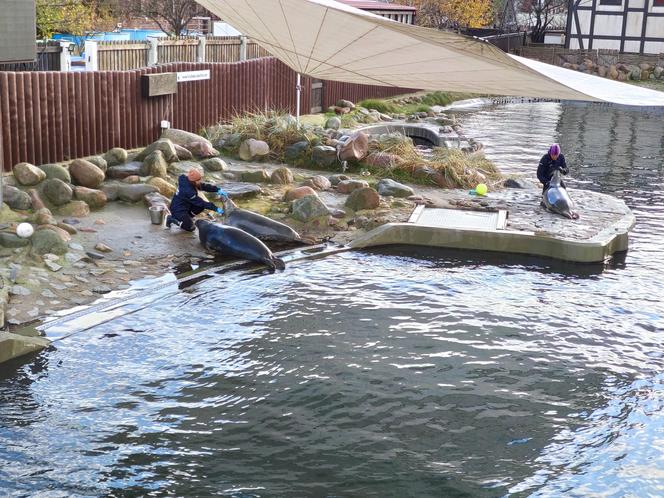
[24, 230]
[481, 189]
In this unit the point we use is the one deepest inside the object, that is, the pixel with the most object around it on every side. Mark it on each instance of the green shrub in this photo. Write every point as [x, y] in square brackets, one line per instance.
[384, 106]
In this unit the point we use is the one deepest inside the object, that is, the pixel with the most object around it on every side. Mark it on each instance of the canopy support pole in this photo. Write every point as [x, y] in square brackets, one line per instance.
[298, 88]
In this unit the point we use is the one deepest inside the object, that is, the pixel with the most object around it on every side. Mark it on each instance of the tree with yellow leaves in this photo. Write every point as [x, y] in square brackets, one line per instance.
[75, 17]
[452, 13]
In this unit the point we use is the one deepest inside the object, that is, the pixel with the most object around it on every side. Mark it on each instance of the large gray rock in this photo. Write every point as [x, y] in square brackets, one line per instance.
[308, 208]
[282, 176]
[75, 209]
[163, 145]
[156, 164]
[126, 170]
[50, 239]
[135, 192]
[355, 147]
[183, 138]
[183, 154]
[299, 193]
[56, 192]
[86, 174]
[15, 198]
[241, 190]
[348, 186]
[333, 123]
[111, 190]
[12, 240]
[116, 156]
[252, 148]
[27, 174]
[183, 167]
[202, 148]
[324, 156]
[395, 189]
[364, 198]
[318, 182]
[96, 199]
[56, 171]
[98, 161]
[215, 164]
[295, 151]
[259, 176]
[338, 178]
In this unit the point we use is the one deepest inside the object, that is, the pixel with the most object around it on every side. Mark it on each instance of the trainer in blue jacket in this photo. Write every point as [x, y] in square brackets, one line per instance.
[551, 161]
[186, 203]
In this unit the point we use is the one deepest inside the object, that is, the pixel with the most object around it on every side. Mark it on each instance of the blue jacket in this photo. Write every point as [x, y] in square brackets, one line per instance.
[186, 200]
[548, 165]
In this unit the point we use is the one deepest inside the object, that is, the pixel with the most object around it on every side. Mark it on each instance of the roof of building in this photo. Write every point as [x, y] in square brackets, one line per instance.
[375, 5]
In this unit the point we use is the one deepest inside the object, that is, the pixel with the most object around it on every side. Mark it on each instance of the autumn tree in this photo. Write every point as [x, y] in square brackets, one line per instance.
[172, 16]
[452, 13]
[542, 15]
[75, 17]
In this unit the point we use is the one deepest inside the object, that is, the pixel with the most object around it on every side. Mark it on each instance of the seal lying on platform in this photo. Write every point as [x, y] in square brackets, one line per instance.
[557, 200]
[260, 226]
[231, 241]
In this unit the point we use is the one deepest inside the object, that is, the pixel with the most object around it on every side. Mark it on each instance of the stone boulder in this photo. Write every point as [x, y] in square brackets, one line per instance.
[354, 148]
[155, 199]
[183, 167]
[658, 72]
[282, 176]
[44, 216]
[252, 148]
[27, 174]
[299, 193]
[202, 148]
[348, 186]
[516, 183]
[182, 137]
[215, 164]
[242, 190]
[383, 160]
[165, 188]
[395, 189]
[259, 176]
[345, 103]
[333, 123]
[308, 208]
[295, 151]
[364, 198]
[75, 209]
[318, 182]
[116, 156]
[56, 171]
[132, 179]
[163, 145]
[15, 198]
[324, 156]
[98, 161]
[338, 178]
[96, 199]
[134, 193]
[12, 240]
[111, 190]
[36, 200]
[183, 153]
[129, 169]
[86, 174]
[57, 192]
[50, 239]
[156, 164]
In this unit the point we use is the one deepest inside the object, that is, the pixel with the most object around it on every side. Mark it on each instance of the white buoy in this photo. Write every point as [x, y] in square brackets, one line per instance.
[24, 230]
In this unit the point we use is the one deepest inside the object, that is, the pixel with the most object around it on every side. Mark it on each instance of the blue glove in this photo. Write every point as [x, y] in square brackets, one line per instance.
[219, 210]
[222, 193]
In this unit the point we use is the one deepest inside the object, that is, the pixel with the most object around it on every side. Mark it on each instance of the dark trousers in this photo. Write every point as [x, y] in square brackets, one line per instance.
[183, 220]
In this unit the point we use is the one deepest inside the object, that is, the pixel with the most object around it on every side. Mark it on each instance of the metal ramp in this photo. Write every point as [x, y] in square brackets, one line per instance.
[459, 219]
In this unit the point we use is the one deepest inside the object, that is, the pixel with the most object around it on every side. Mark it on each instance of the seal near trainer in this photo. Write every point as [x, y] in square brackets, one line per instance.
[232, 241]
[260, 226]
[557, 200]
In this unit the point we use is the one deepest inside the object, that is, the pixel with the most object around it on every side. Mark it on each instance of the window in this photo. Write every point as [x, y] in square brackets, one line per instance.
[612, 2]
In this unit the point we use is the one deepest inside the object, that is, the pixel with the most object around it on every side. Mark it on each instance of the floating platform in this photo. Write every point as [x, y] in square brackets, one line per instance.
[489, 231]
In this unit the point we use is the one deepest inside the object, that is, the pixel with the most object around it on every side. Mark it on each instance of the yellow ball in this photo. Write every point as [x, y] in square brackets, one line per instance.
[481, 189]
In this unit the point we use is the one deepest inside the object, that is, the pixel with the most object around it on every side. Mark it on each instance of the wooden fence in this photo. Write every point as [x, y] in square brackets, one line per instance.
[48, 59]
[53, 116]
[126, 55]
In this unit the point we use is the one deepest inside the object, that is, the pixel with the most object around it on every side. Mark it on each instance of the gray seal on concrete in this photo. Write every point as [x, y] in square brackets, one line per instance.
[232, 241]
[557, 200]
[260, 226]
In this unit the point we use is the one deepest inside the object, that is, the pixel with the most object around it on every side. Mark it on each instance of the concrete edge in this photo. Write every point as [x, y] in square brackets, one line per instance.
[609, 241]
[13, 345]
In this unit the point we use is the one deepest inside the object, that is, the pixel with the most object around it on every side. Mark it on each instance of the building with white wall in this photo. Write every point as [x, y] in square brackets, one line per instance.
[632, 26]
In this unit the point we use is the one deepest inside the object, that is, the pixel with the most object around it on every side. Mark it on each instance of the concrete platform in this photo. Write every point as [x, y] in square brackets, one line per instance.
[488, 231]
[14, 345]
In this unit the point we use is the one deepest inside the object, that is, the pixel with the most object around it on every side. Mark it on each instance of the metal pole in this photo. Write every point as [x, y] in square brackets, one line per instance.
[298, 87]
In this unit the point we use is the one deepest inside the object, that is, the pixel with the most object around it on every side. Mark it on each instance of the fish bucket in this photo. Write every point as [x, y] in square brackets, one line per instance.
[156, 214]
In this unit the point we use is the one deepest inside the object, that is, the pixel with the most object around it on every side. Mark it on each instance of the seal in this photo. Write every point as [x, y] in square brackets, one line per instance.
[260, 226]
[557, 200]
[232, 241]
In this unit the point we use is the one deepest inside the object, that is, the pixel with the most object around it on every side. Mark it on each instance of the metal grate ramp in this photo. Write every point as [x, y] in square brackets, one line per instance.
[459, 219]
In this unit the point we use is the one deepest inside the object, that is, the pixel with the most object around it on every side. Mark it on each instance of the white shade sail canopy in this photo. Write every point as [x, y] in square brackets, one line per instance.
[329, 40]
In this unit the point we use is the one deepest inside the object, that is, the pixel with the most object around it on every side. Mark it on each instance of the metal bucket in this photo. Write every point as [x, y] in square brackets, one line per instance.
[156, 214]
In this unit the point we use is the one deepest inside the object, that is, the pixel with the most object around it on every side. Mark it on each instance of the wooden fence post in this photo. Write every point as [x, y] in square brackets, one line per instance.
[200, 50]
[91, 56]
[153, 57]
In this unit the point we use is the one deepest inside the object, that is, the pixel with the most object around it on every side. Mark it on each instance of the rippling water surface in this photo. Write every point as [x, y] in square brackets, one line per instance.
[400, 373]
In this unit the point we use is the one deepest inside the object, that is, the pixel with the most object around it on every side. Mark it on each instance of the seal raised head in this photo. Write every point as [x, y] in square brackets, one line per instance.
[557, 200]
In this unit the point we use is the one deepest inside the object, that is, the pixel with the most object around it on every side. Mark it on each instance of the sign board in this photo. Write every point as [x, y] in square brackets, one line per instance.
[185, 76]
[156, 84]
[17, 31]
